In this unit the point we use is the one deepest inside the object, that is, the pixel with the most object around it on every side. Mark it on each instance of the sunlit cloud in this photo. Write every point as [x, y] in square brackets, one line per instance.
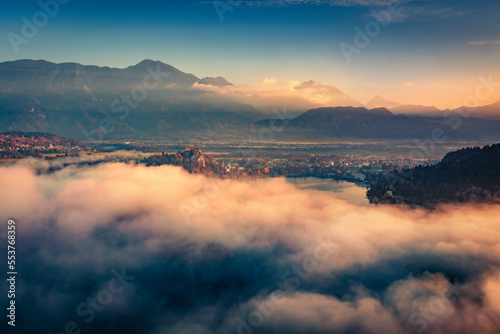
[292, 92]
[373, 269]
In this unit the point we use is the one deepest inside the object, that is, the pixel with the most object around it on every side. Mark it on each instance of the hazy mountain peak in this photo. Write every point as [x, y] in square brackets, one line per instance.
[174, 75]
[380, 101]
[316, 85]
[325, 95]
[148, 63]
[218, 81]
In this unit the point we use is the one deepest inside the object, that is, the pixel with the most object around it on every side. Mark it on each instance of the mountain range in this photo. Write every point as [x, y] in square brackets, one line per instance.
[379, 123]
[150, 98]
[154, 100]
[491, 111]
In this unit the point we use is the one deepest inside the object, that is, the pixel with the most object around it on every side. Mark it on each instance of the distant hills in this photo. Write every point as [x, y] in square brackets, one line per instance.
[403, 109]
[362, 123]
[153, 100]
[466, 175]
[417, 110]
[491, 111]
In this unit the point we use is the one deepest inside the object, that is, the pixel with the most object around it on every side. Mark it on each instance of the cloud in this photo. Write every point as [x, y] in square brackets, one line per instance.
[481, 43]
[289, 3]
[216, 256]
[304, 95]
[408, 84]
[401, 11]
[316, 313]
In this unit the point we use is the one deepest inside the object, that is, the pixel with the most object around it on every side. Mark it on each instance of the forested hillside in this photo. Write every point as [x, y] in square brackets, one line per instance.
[466, 175]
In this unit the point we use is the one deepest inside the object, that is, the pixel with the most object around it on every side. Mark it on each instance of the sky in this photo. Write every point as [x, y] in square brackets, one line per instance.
[424, 52]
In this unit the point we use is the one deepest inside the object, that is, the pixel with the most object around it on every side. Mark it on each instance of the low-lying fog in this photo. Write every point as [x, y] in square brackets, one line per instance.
[119, 248]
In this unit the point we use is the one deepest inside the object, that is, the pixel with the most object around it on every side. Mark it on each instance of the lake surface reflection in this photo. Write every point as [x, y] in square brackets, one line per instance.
[344, 190]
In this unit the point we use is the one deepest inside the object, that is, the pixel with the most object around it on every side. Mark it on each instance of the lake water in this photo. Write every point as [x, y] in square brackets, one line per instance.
[344, 190]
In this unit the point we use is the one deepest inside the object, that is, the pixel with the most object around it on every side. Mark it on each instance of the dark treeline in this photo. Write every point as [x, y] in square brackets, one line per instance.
[466, 175]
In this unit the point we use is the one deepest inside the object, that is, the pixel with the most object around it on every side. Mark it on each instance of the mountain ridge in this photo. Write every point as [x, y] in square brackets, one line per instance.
[378, 123]
[155, 100]
[76, 100]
